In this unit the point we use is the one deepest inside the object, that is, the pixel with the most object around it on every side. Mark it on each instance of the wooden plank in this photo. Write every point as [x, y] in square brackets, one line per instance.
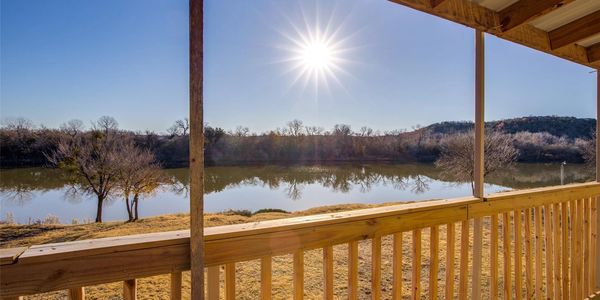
[328, 273]
[376, 267]
[298, 275]
[353, 270]
[573, 230]
[450, 252]
[564, 223]
[196, 146]
[416, 264]
[477, 257]
[523, 11]
[539, 286]
[10, 255]
[213, 284]
[436, 3]
[130, 289]
[506, 249]
[586, 248]
[575, 31]
[176, 286]
[463, 283]
[529, 255]
[397, 267]
[493, 257]
[478, 145]
[579, 248]
[434, 249]
[597, 199]
[557, 253]
[549, 247]
[266, 271]
[77, 293]
[509, 201]
[518, 254]
[476, 16]
[593, 243]
[593, 53]
[230, 281]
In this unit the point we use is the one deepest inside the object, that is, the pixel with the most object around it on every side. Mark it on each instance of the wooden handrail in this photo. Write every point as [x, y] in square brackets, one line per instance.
[69, 265]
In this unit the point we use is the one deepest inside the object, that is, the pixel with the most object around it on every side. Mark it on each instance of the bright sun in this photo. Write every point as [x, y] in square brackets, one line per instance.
[316, 53]
[317, 56]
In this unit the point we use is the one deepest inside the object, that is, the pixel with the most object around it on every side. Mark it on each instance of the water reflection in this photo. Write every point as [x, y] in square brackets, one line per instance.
[37, 192]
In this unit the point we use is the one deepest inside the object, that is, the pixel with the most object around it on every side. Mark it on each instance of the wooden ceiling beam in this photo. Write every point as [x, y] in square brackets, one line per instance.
[476, 16]
[575, 31]
[593, 53]
[436, 3]
[523, 11]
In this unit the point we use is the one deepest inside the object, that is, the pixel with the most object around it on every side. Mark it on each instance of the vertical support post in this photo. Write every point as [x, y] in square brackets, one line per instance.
[130, 289]
[196, 150]
[478, 158]
[597, 266]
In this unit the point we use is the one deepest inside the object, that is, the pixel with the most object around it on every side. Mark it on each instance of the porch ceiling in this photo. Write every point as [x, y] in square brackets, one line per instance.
[569, 29]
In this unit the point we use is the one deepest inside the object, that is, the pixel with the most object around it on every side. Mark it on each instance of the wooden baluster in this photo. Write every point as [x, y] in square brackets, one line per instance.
[328, 273]
[77, 293]
[298, 275]
[549, 252]
[434, 249]
[586, 248]
[450, 250]
[572, 230]
[529, 255]
[266, 270]
[464, 261]
[579, 249]
[130, 289]
[397, 267]
[539, 287]
[376, 267]
[506, 250]
[416, 265]
[493, 257]
[230, 281]
[213, 285]
[477, 256]
[518, 255]
[593, 246]
[176, 286]
[353, 270]
[564, 223]
[557, 252]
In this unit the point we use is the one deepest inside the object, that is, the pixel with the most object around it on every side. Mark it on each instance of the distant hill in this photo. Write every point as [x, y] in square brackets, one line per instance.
[570, 127]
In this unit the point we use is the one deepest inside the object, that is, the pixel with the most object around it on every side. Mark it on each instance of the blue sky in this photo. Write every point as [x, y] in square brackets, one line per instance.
[66, 59]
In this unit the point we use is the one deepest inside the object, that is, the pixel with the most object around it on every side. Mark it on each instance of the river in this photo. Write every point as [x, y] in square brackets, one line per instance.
[29, 194]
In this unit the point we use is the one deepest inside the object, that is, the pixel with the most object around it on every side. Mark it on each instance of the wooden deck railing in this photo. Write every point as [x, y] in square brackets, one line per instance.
[543, 240]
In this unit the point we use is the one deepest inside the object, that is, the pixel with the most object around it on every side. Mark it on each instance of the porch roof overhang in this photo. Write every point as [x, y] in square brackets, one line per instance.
[569, 29]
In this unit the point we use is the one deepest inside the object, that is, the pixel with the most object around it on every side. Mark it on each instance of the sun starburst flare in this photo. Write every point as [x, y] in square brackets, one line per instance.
[316, 54]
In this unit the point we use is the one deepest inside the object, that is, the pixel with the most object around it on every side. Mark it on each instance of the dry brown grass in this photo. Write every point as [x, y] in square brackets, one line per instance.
[248, 273]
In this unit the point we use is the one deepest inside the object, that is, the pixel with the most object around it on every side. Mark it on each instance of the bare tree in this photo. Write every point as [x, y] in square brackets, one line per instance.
[589, 150]
[457, 155]
[295, 127]
[180, 127]
[314, 130]
[72, 127]
[18, 124]
[139, 176]
[106, 124]
[93, 160]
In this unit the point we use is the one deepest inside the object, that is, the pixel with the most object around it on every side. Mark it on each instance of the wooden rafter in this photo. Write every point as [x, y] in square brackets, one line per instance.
[593, 53]
[436, 3]
[476, 16]
[525, 10]
[575, 31]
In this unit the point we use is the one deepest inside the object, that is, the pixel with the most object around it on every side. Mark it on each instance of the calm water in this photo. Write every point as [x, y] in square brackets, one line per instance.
[35, 193]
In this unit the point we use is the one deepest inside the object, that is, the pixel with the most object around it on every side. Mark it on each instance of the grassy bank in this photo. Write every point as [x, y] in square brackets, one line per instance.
[248, 273]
